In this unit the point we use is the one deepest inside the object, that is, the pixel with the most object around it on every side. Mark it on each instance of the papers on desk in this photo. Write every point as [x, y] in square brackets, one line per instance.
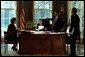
[67, 31]
[57, 33]
[39, 32]
[32, 31]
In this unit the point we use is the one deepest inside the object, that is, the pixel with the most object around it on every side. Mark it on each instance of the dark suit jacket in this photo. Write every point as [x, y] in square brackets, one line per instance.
[75, 20]
[11, 32]
[59, 24]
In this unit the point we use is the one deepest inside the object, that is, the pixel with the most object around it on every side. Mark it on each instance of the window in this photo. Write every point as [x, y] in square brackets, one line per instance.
[8, 10]
[42, 9]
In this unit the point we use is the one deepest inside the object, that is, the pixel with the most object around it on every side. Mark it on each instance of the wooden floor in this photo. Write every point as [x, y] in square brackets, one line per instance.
[15, 53]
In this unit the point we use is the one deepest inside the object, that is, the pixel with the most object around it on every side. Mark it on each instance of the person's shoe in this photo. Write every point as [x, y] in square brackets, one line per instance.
[15, 49]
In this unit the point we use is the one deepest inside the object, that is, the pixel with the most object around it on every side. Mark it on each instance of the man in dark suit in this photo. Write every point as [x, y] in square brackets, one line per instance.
[59, 23]
[75, 20]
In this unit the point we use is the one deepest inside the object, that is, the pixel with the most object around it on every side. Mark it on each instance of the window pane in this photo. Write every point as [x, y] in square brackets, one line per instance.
[37, 14]
[2, 14]
[42, 13]
[7, 4]
[2, 22]
[12, 13]
[47, 3]
[41, 5]
[36, 5]
[6, 22]
[6, 14]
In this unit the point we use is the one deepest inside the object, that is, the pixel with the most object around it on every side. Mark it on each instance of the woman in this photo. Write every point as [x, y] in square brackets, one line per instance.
[12, 33]
[40, 23]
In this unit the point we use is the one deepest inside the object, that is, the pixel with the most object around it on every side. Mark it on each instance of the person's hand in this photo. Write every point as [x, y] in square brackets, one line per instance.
[68, 33]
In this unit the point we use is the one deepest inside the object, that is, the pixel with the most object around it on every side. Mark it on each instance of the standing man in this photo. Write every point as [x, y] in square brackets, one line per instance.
[55, 18]
[58, 23]
[75, 20]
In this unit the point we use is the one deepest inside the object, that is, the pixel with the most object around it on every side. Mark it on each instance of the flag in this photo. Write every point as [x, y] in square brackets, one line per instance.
[22, 16]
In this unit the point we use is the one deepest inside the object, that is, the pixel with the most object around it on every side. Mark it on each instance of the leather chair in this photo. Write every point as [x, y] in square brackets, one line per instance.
[7, 41]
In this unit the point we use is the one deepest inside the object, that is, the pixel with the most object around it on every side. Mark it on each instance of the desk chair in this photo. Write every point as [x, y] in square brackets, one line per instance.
[7, 41]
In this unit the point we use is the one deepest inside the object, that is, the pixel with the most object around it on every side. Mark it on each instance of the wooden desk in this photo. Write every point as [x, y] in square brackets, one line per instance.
[50, 44]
